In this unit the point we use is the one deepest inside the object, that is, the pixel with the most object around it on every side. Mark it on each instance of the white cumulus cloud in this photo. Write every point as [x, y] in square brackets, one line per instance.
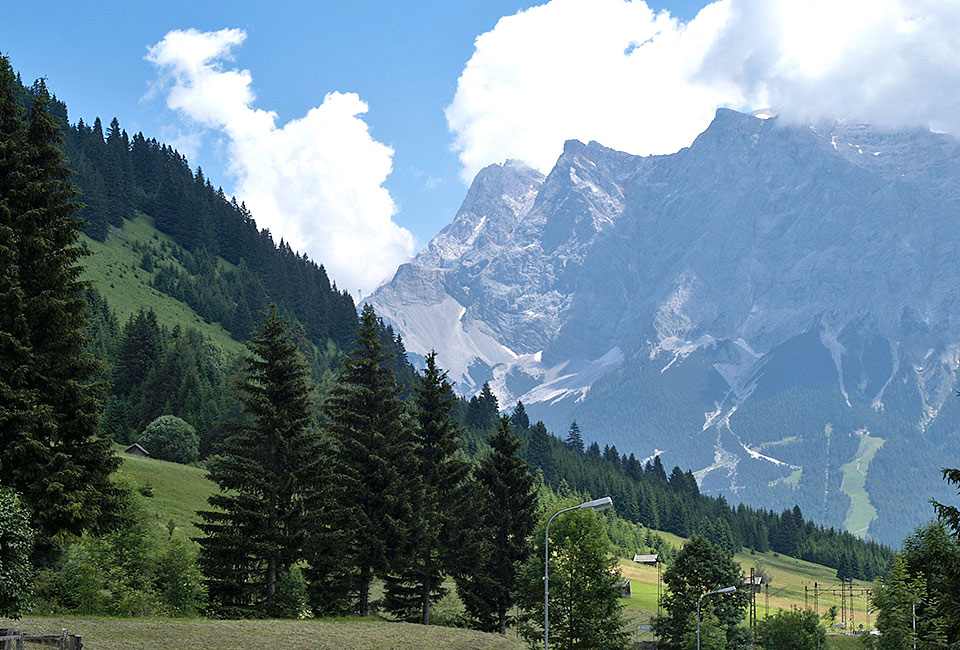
[316, 181]
[635, 80]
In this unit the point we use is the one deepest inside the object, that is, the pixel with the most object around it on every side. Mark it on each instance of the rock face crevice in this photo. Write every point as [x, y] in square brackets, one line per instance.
[804, 269]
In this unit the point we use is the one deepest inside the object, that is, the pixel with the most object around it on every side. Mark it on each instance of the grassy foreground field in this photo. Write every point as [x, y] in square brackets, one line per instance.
[360, 634]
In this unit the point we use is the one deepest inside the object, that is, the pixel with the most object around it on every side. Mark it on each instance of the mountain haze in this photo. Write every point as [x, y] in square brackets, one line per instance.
[774, 306]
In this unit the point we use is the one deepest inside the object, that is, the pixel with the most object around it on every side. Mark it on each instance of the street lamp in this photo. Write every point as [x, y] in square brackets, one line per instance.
[725, 590]
[820, 629]
[596, 504]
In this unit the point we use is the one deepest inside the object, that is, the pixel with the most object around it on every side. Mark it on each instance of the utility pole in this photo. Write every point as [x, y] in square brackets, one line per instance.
[843, 601]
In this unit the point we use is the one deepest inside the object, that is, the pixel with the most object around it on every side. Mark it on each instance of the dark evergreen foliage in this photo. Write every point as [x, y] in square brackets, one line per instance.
[154, 371]
[574, 440]
[949, 514]
[441, 472]
[375, 459]
[932, 558]
[520, 419]
[49, 409]
[644, 494]
[120, 177]
[266, 472]
[496, 525]
[483, 410]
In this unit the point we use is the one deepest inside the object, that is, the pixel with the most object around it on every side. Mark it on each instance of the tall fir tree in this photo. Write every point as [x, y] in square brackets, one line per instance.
[266, 472]
[539, 450]
[371, 431]
[139, 352]
[483, 410]
[496, 530]
[442, 471]
[48, 424]
[574, 438]
[520, 420]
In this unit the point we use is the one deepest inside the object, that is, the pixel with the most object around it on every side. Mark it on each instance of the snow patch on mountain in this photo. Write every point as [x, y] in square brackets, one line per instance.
[829, 340]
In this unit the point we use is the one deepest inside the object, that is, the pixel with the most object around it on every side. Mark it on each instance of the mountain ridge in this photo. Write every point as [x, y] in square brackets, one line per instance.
[828, 238]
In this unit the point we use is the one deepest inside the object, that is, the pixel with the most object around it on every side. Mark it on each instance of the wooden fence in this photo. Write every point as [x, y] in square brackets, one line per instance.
[14, 640]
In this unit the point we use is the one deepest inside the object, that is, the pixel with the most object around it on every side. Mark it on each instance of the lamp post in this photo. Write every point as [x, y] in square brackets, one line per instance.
[725, 590]
[820, 629]
[596, 504]
[914, 625]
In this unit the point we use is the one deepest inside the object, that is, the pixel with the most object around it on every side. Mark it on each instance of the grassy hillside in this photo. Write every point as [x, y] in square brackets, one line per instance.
[360, 634]
[861, 511]
[787, 576]
[175, 491]
[115, 271]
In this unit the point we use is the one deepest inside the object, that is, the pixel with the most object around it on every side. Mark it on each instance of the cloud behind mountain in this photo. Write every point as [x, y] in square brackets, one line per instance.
[638, 81]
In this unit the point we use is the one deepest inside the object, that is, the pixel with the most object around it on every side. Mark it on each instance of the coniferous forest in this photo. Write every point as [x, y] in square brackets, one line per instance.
[339, 465]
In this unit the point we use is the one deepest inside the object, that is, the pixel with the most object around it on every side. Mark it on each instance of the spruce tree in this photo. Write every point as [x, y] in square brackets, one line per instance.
[484, 409]
[50, 412]
[441, 471]
[574, 439]
[371, 431]
[496, 530]
[139, 352]
[266, 472]
[895, 599]
[539, 450]
[520, 420]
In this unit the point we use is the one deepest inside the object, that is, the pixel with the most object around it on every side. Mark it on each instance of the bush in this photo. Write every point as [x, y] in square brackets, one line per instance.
[178, 579]
[16, 543]
[790, 630]
[132, 570]
[292, 594]
[170, 438]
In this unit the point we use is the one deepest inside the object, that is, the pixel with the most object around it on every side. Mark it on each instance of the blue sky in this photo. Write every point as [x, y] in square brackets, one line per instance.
[403, 59]
[651, 94]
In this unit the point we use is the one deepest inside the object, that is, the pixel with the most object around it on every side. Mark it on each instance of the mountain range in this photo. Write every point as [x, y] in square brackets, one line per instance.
[775, 306]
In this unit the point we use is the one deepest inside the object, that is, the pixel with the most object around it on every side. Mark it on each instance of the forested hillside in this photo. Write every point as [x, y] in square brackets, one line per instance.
[170, 235]
[645, 494]
[120, 177]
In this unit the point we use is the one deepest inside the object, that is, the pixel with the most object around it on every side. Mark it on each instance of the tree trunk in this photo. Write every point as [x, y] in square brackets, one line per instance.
[502, 613]
[425, 593]
[365, 579]
[271, 586]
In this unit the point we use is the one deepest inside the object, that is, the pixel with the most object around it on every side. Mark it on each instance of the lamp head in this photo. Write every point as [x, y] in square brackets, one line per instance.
[598, 504]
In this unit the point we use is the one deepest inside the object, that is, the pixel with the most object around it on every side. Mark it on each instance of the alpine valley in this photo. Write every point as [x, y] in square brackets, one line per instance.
[775, 306]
